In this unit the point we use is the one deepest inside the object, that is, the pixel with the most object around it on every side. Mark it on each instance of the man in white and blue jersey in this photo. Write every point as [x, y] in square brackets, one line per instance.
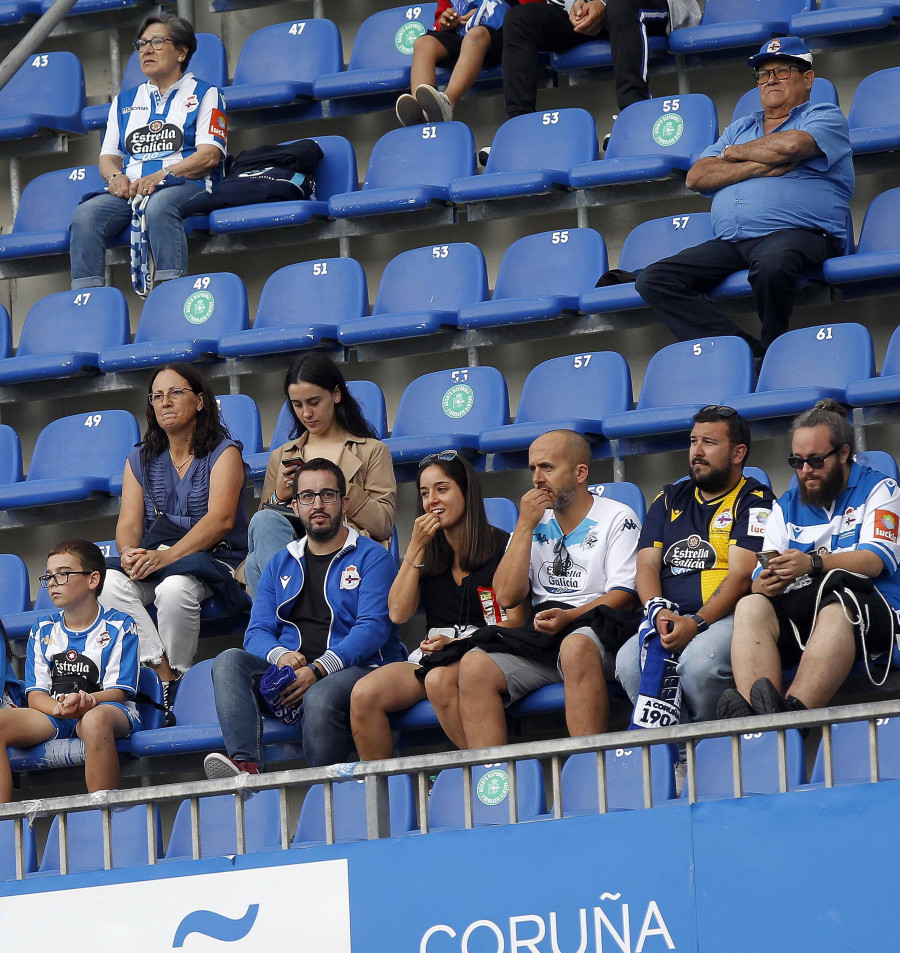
[174, 125]
[813, 603]
[81, 671]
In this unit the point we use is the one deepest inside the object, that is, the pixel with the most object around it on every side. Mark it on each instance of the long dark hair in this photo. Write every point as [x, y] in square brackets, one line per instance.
[479, 538]
[209, 429]
[319, 369]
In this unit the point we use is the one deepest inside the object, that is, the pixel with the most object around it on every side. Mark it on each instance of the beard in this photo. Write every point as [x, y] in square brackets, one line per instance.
[323, 532]
[826, 492]
[563, 496]
[712, 480]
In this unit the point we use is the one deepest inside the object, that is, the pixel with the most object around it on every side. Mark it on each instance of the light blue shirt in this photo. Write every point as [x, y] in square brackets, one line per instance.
[814, 195]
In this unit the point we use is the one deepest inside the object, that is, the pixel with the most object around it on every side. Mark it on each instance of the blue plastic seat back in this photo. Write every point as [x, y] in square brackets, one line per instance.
[370, 398]
[739, 11]
[284, 426]
[196, 307]
[850, 751]
[490, 795]
[209, 63]
[759, 764]
[567, 262]
[434, 278]
[758, 474]
[195, 703]
[891, 365]
[827, 356]
[703, 371]
[591, 384]
[881, 226]
[10, 456]
[218, 833]
[49, 90]
[623, 492]
[421, 155]
[661, 237]
[241, 416]
[85, 840]
[435, 403]
[386, 38]
[336, 171]
[8, 848]
[298, 50]
[350, 810]
[6, 345]
[624, 779]
[84, 445]
[554, 139]
[150, 691]
[48, 201]
[14, 587]
[876, 100]
[75, 321]
[501, 512]
[332, 289]
[823, 91]
[676, 127]
[879, 460]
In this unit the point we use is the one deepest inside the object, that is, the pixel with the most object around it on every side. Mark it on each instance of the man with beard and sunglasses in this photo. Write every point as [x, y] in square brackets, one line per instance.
[698, 550]
[320, 612]
[813, 603]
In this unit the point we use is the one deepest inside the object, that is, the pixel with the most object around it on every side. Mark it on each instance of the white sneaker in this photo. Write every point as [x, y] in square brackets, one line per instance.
[483, 155]
[219, 766]
[409, 112]
[434, 103]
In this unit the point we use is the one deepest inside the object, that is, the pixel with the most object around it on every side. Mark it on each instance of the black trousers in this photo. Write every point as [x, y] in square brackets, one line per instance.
[675, 286]
[538, 27]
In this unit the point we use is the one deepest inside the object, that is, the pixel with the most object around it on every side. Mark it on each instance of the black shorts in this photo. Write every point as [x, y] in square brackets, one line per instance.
[796, 611]
[452, 43]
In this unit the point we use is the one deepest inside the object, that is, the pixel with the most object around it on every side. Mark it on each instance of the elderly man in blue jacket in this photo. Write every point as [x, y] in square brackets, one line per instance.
[321, 610]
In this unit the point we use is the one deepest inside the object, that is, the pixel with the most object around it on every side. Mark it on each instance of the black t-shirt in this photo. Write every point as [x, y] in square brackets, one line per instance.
[447, 604]
[310, 612]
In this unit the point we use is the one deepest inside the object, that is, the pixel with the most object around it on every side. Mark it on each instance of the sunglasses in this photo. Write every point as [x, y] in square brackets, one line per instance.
[445, 455]
[562, 561]
[724, 412]
[815, 462]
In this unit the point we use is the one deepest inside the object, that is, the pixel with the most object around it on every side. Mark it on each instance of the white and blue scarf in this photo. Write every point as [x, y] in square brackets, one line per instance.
[658, 702]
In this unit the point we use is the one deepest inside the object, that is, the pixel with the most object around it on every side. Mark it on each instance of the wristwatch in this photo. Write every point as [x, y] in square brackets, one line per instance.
[818, 565]
[702, 624]
[317, 671]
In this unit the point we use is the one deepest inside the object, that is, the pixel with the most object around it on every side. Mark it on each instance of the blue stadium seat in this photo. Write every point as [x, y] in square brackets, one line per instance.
[623, 492]
[279, 64]
[409, 169]
[759, 764]
[598, 55]
[823, 91]
[421, 293]
[8, 845]
[652, 140]
[840, 17]
[807, 365]
[501, 512]
[758, 474]
[727, 24]
[876, 264]
[540, 277]
[85, 833]
[241, 416]
[10, 456]
[98, 6]
[448, 410]
[47, 93]
[382, 54]
[335, 174]
[15, 11]
[850, 751]
[301, 306]
[209, 63]
[884, 389]
[64, 333]
[182, 320]
[45, 212]
[873, 121]
[705, 370]
[14, 588]
[879, 460]
[87, 448]
[6, 338]
[624, 780]
[490, 785]
[218, 833]
[531, 155]
[565, 393]
[350, 811]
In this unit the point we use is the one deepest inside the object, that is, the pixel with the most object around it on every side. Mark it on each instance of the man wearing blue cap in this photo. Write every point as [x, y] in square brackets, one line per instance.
[781, 181]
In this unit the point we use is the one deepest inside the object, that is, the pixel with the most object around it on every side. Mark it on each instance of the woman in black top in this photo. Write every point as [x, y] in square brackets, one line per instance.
[452, 554]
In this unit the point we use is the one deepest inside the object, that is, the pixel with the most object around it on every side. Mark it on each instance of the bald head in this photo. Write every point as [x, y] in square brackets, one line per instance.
[568, 444]
[559, 462]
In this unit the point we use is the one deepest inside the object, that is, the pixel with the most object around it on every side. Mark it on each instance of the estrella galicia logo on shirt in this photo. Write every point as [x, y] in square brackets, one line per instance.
[350, 578]
[73, 664]
[154, 140]
[572, 580]
[691, 553]
[885, 528]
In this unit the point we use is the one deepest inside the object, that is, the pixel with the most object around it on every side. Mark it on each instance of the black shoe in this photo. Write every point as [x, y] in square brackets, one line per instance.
[766, 699]
[170, 689]
[732, 704]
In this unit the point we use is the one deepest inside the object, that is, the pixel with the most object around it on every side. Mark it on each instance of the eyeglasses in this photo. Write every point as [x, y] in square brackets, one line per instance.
[815, 462]
[562, 562]
[444, 455]
[779, 72]
[308, 497]
[61, 578]
[174, 394]
[157, 42]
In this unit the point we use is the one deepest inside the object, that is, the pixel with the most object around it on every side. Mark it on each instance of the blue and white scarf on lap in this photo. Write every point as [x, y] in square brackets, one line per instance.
[489, 13]
[658, 702]
[141, 260]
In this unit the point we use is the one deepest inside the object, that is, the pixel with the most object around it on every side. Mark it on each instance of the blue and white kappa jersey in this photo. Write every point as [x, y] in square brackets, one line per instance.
[602, 555]
[151, 132]
[103, 657]
[865, 516]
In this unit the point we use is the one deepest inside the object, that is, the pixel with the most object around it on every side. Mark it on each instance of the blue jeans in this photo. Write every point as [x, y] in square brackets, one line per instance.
[268, 533]
[704, 667]
[325, 723]
[96, 222]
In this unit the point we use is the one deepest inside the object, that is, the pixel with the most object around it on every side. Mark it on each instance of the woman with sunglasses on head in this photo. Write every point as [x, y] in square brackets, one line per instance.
[182, 526]
[329, 423]
[448, 564]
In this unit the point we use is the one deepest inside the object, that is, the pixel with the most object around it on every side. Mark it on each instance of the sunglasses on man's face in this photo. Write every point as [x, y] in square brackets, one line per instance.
[815, 462]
